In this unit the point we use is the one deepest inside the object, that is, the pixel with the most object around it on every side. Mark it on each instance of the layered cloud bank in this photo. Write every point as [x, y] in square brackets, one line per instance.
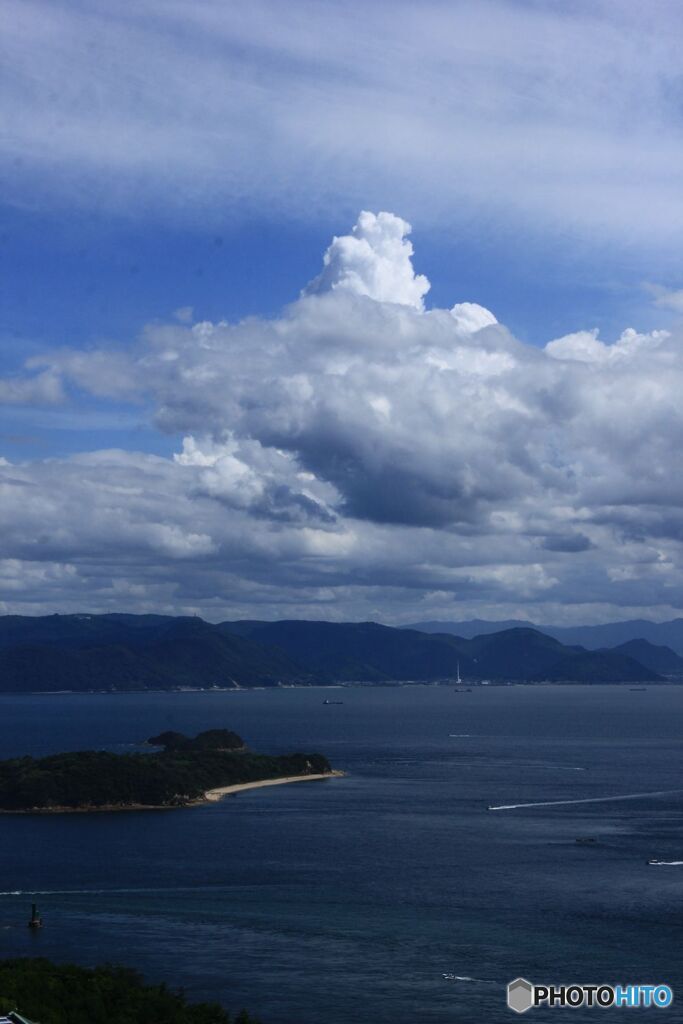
[361, 456]
[554, 116]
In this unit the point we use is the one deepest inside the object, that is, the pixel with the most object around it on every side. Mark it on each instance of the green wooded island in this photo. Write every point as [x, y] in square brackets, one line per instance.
[183, 772]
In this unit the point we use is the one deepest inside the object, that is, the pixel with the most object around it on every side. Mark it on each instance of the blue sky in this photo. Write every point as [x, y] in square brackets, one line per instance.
[101, 275]
[200, 158]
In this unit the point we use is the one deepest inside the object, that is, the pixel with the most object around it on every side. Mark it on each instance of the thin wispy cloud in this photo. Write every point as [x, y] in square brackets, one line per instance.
[544, 116]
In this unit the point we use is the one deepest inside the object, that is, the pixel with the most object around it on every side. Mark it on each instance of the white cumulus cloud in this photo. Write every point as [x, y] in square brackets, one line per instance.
[586, 346]
[471, 317]
[374, 260]
[362, 456]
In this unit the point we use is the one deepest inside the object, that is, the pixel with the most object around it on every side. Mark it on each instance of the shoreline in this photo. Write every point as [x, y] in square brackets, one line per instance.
[210, 796]
[475, 684]
[213, 795]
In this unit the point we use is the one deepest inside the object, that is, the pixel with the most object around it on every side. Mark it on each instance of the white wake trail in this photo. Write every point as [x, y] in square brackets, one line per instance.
[587, 800]
[519, 764]
[107, 892]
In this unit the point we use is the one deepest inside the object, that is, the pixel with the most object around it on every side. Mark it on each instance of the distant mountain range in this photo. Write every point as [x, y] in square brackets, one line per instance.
[612, 634]
[149, 652]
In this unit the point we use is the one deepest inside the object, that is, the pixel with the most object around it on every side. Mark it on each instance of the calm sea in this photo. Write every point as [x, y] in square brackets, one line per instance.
[346, 901]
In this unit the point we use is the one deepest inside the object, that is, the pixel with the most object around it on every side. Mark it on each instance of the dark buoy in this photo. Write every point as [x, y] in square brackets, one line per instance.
[36, 920]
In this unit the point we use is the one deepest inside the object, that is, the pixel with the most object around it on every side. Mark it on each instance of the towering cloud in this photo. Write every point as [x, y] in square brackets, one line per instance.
[374, 260]
[361, 455]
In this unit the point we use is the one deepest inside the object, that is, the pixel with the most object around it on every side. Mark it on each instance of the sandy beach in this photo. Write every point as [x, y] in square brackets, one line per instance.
[217, 794]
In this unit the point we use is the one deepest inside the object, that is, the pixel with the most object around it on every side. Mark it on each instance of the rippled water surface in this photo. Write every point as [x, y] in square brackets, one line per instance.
[347, 900]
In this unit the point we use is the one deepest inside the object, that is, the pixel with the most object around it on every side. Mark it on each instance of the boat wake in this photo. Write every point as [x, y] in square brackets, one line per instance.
[519, 764]
[107, 892]
[464, 977]
[665, 863]
[587, 800]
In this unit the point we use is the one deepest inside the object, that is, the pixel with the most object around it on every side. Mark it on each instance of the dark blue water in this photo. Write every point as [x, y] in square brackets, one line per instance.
[346, 900]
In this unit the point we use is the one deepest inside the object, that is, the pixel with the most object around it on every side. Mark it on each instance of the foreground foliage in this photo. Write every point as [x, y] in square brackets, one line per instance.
[66, 994]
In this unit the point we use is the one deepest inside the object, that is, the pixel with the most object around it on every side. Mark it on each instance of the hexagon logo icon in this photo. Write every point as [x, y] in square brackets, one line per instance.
[520, 995]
